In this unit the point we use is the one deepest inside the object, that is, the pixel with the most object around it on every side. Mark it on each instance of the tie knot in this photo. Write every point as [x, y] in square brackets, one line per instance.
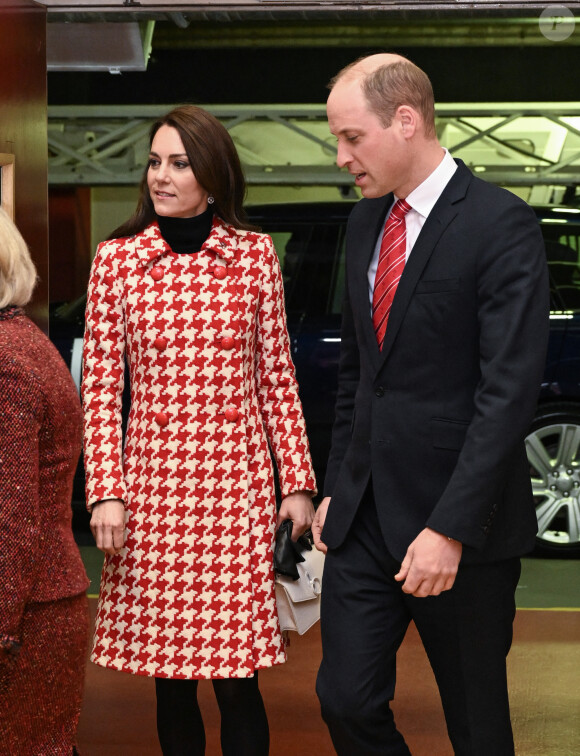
[400, 209]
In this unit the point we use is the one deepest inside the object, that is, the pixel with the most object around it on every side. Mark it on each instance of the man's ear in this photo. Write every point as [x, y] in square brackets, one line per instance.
[408, 119]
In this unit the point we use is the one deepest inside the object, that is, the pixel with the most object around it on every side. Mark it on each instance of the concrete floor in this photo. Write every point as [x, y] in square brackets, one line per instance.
[118, 717]
[544, 584]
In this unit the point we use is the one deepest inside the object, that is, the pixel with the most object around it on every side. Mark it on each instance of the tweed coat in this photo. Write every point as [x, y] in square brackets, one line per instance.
[44, 619]
[40, 443]
[191, 595]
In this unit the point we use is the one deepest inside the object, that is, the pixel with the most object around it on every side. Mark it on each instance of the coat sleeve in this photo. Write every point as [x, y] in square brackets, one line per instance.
[103, 379]
[21, 413]
[280, 404]
[513, 314]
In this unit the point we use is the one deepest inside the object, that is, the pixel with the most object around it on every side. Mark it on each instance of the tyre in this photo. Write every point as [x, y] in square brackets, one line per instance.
[553, 449]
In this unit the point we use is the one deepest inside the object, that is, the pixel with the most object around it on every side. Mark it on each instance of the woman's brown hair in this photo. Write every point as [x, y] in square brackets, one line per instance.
[215, 164]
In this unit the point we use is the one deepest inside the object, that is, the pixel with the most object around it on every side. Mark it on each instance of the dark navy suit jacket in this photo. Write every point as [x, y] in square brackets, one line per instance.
[438, 417]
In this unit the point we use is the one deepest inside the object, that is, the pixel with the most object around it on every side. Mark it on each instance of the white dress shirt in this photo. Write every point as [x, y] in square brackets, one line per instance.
[422, 200]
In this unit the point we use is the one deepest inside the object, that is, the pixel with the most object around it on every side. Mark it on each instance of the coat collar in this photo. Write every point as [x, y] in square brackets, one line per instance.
[151, 246]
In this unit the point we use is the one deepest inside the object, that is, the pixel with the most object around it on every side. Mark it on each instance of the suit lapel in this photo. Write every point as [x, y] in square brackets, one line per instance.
[445, 210]
[366, 234]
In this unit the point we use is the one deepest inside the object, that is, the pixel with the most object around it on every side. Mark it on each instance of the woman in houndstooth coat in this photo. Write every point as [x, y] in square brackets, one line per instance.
[190, 298]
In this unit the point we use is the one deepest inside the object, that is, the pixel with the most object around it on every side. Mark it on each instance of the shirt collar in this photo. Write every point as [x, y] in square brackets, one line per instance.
[423, 198]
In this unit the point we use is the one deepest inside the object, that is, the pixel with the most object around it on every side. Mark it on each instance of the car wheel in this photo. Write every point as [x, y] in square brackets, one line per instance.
[553, 449]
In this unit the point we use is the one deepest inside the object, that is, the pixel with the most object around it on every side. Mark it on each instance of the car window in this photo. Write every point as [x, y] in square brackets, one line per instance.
[312, 260]
[562, 251]
[312, 257]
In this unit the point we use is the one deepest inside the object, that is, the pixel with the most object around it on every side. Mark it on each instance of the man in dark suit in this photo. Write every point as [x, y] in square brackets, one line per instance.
[428, 504]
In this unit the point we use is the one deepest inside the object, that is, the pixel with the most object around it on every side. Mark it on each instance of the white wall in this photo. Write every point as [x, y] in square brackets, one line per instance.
[110, 206]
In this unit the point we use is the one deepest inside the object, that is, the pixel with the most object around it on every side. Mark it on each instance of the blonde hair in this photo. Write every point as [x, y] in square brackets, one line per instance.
[17, 271]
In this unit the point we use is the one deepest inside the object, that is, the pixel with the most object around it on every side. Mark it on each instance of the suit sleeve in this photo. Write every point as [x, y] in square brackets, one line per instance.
[513, 319]
[280, 404]
[103, 379]
[348, 381]
[22, 409]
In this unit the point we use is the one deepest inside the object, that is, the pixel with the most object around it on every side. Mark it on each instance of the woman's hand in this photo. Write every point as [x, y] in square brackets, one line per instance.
[298, 508]
[108, 525]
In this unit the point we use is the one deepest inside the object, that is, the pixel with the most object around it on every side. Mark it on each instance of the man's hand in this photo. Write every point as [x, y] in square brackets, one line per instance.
[108, 525]
[318, 524]
[297, 507]
[430, 564]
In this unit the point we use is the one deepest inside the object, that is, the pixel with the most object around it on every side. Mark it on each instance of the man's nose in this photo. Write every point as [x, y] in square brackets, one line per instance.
[342, 156]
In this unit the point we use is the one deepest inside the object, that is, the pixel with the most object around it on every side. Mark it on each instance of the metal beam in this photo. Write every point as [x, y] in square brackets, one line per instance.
[381, 34]
[513, 144]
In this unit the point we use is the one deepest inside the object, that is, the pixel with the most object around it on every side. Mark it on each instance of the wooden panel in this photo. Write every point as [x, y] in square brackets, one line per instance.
[7, 183]
[69, 242]
[23, 114]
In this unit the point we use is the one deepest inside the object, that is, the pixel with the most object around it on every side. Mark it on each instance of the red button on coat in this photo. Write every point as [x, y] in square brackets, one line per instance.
[162, 419]
[220, 272]
[227, 343]
[232, 414]
[160, 343]
[157, 273]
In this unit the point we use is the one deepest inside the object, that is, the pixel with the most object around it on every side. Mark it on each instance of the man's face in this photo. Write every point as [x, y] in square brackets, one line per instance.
[375, 155]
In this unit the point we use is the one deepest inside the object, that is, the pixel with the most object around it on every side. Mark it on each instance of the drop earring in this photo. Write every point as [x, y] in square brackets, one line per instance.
[210, 200]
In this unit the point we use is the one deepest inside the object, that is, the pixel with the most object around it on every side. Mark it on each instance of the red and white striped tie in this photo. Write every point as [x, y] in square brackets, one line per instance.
[390, 267]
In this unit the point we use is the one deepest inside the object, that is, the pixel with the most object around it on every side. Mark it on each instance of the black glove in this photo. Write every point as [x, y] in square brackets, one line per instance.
[287, 553]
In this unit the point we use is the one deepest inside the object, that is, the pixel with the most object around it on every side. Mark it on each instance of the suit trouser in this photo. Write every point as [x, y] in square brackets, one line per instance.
[466, 632]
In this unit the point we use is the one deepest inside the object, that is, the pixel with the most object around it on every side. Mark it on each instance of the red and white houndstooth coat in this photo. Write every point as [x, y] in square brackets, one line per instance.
[191, 595]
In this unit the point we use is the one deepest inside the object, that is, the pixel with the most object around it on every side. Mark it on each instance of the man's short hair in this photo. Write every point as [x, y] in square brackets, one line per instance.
[394, 84]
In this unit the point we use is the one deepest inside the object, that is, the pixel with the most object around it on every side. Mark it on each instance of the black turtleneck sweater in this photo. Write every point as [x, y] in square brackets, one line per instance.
[186, 235]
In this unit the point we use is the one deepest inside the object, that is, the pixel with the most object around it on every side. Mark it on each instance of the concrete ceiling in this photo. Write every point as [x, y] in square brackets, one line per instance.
[239, 23]
[101, 35]
[395, 8]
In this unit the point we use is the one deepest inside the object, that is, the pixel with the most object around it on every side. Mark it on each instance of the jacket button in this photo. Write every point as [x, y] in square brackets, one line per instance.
[157, 273]
[162, 419]
[227, 343]
[380, 392]
[220, 272]
[160, 343]
[231, 414]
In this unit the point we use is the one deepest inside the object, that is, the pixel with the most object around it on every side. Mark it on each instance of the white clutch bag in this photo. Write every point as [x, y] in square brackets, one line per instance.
[298, 601]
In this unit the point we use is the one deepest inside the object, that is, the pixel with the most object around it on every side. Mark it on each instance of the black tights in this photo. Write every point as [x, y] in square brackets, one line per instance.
[244, 726]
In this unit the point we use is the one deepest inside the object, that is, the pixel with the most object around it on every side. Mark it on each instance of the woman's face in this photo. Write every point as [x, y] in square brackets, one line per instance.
[173, 187]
